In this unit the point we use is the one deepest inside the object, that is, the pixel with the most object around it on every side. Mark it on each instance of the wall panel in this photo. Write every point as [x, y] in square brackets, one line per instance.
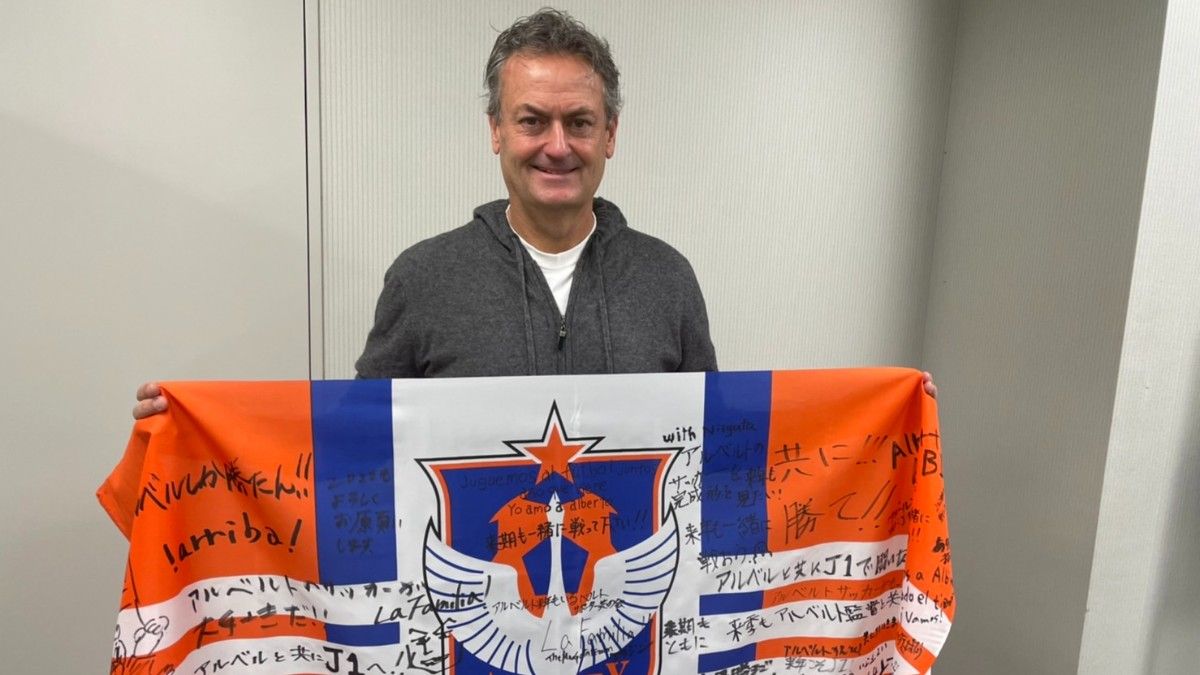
[1147, 557]
[152, 226]
[1046, 148]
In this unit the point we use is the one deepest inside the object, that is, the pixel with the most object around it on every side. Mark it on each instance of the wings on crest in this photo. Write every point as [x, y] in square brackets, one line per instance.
[630, 586]
[479, 604]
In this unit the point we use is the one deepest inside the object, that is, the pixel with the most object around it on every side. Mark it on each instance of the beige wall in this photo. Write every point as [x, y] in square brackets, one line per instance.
[1144, 599]
[1046, 148]
[152, 225]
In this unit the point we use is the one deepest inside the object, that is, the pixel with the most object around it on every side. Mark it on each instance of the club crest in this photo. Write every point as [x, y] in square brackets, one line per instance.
[553, 557]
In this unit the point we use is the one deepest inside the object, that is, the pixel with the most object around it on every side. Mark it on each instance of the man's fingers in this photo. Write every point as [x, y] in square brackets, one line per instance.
[150, 400]
[927, 381]
[149, 406]
[148, 390]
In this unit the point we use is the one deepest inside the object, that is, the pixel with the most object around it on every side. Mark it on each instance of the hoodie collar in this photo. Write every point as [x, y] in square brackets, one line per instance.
[609, 221]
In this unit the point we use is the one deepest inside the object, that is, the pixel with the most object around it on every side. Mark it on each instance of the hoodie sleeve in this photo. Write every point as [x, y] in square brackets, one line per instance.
[695, 343]
[390, 349]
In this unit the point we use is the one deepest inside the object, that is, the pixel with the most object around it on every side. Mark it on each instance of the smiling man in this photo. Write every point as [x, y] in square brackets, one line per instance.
[552, 279]
[553, 135]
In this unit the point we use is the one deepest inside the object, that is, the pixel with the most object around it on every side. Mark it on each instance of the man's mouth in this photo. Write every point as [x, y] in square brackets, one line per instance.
[552, 171]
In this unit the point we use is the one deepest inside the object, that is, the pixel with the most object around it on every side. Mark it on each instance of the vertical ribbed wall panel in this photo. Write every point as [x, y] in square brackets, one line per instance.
[791, 152]
[404, 148]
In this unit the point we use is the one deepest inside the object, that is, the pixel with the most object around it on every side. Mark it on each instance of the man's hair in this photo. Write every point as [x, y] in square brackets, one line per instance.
[551, 31]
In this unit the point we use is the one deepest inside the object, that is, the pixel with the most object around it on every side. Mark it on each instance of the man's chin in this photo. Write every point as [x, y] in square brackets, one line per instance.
[558, 201]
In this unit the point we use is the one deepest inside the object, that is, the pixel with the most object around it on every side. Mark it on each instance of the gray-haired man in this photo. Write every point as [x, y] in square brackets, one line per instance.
[551, 280]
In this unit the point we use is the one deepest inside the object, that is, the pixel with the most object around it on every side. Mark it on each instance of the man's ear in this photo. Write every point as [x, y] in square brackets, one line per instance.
[610, 144]
[494, 123]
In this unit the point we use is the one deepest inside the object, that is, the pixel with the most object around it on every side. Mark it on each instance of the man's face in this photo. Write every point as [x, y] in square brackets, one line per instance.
[552, 134]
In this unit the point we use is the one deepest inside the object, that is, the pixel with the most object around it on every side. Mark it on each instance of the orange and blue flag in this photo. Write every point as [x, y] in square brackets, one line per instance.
[782, 521]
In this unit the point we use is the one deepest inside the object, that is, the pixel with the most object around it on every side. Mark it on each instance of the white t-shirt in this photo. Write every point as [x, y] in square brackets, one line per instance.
[558, 268]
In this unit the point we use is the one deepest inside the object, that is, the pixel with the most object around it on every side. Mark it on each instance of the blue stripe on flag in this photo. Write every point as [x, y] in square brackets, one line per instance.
[737, 419]
[356, 515]
[727, 659]
[369, 635]
[730, 603]
[352, 440]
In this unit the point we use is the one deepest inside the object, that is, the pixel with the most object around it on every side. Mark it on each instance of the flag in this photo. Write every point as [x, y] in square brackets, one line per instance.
[743, 522]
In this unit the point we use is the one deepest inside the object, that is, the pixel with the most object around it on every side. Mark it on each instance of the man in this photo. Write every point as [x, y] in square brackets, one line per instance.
[551, 280]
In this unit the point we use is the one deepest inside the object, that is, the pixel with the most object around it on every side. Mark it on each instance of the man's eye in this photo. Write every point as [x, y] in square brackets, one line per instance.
[581, 124]
[529, 121]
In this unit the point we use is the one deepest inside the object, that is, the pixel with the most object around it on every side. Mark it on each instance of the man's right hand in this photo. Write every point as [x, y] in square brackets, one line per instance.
[150, 401]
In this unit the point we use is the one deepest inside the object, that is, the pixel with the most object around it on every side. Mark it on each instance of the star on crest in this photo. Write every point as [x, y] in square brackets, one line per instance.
[554, 450]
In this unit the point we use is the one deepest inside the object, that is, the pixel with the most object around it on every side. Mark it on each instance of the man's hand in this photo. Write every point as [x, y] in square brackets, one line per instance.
[150, 401]
[926, 381]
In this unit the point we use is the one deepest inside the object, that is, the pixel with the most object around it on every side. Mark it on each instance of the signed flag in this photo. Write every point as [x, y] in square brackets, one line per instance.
[743, 522]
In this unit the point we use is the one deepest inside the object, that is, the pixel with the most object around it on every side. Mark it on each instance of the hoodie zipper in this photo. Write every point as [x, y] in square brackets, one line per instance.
[562, 333]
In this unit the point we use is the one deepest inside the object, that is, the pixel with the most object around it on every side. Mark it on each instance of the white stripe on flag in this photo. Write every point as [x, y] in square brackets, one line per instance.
[249, 596]
[919, 615]
[843, 560]
[292, 656]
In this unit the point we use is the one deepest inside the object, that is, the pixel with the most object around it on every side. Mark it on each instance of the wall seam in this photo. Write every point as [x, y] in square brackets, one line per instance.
[939, 181]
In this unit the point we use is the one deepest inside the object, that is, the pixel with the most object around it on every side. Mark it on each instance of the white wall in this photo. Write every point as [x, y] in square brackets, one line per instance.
[1046, 147]
[152, 225]
[791, 152]
[1145, 582]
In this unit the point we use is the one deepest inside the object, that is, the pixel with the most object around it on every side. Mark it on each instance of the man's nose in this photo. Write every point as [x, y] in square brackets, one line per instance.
[556, 143]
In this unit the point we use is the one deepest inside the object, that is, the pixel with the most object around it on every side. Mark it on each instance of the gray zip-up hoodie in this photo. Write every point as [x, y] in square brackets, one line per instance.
[471, 302]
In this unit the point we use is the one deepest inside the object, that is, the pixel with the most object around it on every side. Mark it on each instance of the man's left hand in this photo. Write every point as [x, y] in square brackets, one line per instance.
[927, 382]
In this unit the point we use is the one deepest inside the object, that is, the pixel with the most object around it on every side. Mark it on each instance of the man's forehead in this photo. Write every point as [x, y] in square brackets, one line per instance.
[570, 108]
[563, 70]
